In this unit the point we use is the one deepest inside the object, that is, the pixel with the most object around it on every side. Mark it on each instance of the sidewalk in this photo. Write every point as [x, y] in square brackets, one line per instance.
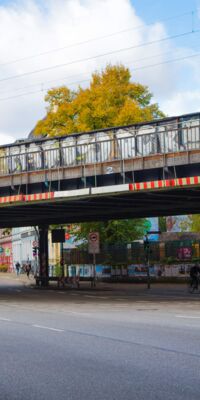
[157, 290]
[12, 277]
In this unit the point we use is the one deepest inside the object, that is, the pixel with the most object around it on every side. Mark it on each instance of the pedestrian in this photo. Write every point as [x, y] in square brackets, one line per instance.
[28, 269]
[17, 266]
[194, 275]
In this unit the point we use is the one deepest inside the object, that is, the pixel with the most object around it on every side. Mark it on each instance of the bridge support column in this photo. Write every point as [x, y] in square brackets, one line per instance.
[43, 254]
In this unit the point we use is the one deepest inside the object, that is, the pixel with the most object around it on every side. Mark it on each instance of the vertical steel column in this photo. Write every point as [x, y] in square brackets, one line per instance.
[43, 254]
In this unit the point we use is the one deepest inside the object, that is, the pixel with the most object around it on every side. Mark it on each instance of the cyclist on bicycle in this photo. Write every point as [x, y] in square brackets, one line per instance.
[194, 274]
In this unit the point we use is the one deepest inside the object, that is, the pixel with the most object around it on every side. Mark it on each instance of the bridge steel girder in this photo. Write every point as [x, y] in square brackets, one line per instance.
[102, 206]
[139, 163]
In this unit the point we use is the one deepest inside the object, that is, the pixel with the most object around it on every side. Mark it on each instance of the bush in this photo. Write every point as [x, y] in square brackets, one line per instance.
[4, 267]
[57, 270]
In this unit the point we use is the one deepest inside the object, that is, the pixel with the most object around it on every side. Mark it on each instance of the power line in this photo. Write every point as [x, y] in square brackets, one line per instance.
[80, 74]
[97, 38]
[100, 55]
[167, 61]
[87, 80]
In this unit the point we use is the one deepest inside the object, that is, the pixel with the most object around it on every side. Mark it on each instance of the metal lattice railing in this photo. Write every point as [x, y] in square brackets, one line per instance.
[98, 147]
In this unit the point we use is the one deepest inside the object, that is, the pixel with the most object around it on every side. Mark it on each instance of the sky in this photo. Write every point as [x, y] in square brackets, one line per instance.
[50, 43]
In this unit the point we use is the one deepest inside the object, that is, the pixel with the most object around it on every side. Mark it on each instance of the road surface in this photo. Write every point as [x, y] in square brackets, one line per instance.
[98, 344]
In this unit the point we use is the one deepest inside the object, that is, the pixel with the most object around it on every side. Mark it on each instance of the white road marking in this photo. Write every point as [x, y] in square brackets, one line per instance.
[5, 319]
[187, 316]
[141, 301]
[78, 313]
[48, 328]
[61, 292]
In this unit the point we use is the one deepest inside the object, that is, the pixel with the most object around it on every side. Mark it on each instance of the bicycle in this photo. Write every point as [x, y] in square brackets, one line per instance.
[192, 285]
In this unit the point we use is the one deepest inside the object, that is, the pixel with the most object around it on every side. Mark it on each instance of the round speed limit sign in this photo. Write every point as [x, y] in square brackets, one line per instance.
[93, 237]
[93, 242]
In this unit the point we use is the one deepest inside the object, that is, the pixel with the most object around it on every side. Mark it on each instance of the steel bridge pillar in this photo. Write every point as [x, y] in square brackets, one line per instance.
[43, 254]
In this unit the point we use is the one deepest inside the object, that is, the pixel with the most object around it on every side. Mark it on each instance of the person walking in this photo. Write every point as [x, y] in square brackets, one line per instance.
[28, 269]
[194, 275]
[17, 267]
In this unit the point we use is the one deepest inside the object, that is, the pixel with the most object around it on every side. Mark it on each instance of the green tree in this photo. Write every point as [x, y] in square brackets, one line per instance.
[162, 224]
[112, 232]
[192, 223]
[111, 99]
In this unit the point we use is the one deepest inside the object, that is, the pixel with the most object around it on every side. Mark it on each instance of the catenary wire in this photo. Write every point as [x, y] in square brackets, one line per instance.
[88, 80]
[100, 55]
[41, 83]
[95, 39]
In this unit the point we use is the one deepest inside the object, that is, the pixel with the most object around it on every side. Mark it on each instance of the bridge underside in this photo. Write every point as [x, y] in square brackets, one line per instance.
[170, 201]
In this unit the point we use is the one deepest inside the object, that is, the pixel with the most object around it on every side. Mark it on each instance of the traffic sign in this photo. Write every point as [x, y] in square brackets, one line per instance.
[93, 242]
[67, 236]
[35, 243]
[93, 236]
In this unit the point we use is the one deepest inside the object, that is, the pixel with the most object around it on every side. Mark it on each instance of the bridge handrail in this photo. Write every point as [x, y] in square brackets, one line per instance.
[121, 144]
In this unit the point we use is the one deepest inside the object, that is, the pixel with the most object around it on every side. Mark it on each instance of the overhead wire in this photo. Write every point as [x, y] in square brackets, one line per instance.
[53, 67]
[99, 38]
[41, 83]
[88, 79]
[168, 61]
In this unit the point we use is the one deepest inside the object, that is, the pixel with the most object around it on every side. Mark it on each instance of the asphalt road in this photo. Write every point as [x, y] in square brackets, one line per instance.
[104, 344]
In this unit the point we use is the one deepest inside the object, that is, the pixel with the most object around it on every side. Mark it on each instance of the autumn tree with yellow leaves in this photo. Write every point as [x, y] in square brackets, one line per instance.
[111, 99]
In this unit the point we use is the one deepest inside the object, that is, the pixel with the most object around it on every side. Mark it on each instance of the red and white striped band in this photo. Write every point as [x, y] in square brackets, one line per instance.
[165, 183]
[150, 185]
[28, 197]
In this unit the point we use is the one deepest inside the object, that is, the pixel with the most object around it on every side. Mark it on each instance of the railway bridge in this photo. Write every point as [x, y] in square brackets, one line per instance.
[148, 169]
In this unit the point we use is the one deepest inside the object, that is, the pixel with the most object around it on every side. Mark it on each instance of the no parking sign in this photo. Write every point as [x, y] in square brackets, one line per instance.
[93, 243]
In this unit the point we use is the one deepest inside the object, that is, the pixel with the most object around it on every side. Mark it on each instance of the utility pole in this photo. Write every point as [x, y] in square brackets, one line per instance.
[146, 255]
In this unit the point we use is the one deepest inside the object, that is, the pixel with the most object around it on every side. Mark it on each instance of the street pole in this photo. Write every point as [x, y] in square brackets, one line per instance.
[62, 260]
[93, 248]
[94, 269]
[148, 272]
[146, 250]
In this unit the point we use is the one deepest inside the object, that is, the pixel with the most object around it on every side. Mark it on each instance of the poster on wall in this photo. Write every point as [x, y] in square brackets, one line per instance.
[175, 223]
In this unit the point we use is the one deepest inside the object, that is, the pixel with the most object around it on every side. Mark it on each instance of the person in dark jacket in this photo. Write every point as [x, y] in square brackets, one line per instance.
[194, 275]
[17, 267]
[28, 269]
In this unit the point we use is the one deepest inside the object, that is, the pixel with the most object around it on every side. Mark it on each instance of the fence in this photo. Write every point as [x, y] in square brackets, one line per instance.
[175, 135]
[124, 255]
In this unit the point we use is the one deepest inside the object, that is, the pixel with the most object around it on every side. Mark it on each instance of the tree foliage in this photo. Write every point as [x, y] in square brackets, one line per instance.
[192, 223]
[162, 224]
[112, 232]
[111, 99]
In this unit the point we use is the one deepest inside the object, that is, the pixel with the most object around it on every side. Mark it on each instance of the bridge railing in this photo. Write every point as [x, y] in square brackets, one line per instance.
[118, 144]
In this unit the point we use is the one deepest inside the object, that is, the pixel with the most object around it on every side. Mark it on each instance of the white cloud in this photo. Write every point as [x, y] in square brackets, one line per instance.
[182, 103]
[33, 27]
[5, 139]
